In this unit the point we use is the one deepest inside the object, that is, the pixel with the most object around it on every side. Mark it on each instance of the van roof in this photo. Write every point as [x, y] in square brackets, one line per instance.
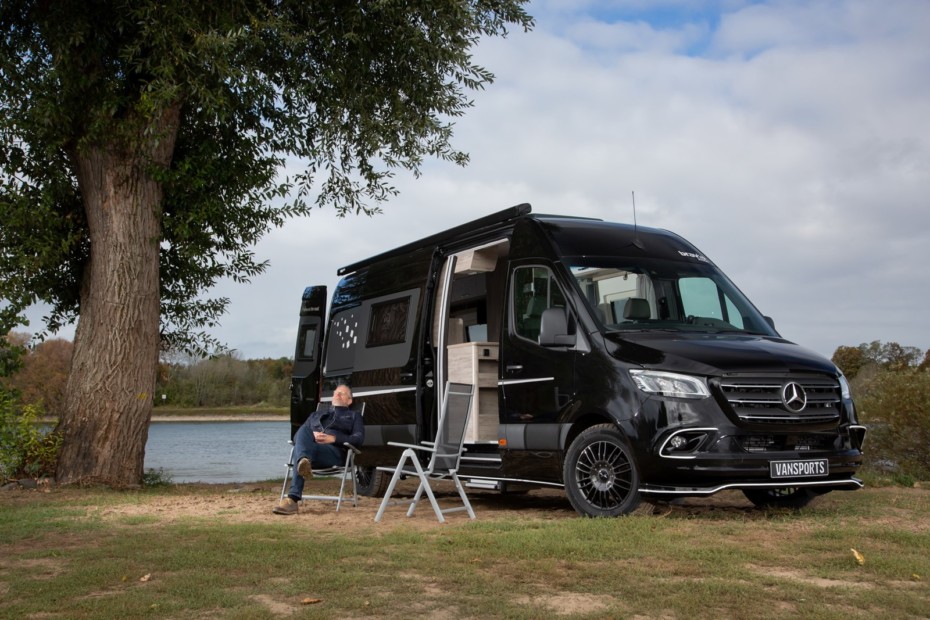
[571, 235]
[591, 238]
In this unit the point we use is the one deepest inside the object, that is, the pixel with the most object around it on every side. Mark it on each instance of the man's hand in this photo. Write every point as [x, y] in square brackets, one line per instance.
[323, 437]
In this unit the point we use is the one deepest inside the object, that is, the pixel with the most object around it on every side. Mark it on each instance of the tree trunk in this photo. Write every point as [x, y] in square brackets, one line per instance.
[115, 362]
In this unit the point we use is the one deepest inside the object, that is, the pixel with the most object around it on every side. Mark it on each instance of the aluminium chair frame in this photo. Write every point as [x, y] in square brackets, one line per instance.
[438, 452]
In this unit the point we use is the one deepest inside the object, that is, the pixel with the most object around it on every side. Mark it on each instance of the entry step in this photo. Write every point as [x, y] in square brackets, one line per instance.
[482, 484]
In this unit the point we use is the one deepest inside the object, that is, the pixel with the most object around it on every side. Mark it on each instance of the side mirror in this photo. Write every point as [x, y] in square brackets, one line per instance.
[770, 321]
[553, 329]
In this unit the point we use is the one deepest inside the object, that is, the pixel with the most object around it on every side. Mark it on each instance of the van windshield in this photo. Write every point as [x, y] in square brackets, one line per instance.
[660, 294]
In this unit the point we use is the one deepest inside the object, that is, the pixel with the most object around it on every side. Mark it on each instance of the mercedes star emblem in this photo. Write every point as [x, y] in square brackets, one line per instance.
[794, 397]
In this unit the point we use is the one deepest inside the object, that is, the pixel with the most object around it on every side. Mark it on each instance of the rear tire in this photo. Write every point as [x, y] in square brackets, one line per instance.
[600, 474]
[786, 497]
[370, 482]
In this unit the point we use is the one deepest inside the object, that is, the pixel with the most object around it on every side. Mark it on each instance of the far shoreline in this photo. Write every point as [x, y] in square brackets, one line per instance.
[210, 414]
[255, 413]
[220, 417]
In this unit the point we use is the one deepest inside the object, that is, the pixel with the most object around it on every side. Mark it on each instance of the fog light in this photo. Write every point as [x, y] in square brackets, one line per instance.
[686, 443]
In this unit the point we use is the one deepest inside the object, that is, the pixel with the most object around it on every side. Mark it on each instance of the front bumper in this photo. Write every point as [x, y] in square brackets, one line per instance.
[706, 459]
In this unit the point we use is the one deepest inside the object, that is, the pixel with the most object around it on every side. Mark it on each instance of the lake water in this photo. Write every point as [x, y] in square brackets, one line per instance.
[218, 451]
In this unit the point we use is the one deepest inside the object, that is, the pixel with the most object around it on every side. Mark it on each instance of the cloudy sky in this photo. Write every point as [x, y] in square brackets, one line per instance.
[788, 140]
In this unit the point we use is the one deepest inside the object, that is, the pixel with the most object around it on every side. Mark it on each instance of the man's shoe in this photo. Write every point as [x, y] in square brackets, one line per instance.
[286, 506]
[304, 468]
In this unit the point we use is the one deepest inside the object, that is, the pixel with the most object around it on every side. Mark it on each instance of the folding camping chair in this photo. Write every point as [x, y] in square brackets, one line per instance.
[446, 453]
[345, 472]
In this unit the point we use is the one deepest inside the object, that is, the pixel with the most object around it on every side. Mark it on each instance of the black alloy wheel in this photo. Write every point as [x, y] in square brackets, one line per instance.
[600, 475]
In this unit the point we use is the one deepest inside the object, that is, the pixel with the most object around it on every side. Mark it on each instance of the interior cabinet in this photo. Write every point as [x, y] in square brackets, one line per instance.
[476, 363]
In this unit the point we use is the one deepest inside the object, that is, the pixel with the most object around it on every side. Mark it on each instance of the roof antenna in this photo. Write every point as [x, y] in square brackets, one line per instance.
[636, 240]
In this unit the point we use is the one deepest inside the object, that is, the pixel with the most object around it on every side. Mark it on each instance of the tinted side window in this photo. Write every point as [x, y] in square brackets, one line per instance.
[388, 323]
[306, 343]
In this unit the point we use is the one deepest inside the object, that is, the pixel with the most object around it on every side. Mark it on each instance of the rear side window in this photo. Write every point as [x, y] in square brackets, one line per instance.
[388, 324]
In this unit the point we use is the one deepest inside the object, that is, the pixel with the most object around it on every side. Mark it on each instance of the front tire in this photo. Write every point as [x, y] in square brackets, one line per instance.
[600, 474]
[786, 497]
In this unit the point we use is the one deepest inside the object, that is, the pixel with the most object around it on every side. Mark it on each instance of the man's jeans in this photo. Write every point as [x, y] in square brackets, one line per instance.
[321, 455]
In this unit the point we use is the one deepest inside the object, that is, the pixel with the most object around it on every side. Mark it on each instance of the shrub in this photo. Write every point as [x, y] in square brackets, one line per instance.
[26, 449]
[895, 405]
[157, 478]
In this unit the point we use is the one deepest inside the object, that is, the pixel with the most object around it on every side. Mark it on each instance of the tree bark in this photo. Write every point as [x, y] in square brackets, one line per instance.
[112, 378]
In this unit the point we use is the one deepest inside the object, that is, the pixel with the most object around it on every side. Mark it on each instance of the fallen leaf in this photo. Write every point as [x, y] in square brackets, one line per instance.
[145, 578]
[915, 577]
[311, 601]
[859, 557]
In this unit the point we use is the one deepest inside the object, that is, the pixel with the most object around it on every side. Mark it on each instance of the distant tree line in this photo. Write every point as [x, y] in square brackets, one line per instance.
[891, 386]
[220, 381]
[224, 381]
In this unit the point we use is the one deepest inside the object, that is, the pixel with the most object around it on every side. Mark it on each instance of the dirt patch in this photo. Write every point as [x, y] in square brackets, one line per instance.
[570, 603]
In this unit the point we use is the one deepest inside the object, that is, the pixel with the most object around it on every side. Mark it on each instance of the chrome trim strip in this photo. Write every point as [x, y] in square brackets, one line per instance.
[378, 392]
[442, 308]
[505, 382]
[755, 485]
[558, 485]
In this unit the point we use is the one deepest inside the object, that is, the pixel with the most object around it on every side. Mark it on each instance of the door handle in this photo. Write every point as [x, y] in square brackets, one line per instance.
[514, 368]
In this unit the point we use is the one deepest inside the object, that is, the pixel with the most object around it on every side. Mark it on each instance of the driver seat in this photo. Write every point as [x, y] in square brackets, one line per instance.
[637, 309]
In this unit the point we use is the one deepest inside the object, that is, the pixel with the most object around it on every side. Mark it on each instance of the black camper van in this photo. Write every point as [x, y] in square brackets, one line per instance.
[612, 360]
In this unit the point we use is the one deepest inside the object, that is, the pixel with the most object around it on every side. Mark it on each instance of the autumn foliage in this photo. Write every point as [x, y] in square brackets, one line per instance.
[891, 387]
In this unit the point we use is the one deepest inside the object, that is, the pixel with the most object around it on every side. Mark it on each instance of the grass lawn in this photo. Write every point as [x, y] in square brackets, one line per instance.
[216, 551]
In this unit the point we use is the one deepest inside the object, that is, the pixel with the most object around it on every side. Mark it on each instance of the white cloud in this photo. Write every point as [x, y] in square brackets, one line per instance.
[791, 148]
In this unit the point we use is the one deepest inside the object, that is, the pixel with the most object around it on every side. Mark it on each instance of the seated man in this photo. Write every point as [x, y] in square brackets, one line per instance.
[319, 443]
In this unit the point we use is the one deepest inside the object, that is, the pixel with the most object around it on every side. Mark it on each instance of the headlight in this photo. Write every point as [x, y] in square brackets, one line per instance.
[669, 384]
[844, 388]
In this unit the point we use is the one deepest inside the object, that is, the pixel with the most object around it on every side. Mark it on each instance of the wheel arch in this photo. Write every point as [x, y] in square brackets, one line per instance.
[586, 421]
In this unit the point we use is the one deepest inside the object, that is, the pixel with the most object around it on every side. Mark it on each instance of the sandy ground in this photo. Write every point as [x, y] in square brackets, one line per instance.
[253, 503]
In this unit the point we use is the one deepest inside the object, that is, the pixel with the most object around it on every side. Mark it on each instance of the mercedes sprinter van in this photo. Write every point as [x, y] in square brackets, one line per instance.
[614, 361]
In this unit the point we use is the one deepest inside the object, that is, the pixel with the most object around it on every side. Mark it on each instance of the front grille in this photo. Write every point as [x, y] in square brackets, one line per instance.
[758, 399]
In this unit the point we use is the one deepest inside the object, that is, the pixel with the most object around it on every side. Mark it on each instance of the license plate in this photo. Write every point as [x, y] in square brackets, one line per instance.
[799, 469]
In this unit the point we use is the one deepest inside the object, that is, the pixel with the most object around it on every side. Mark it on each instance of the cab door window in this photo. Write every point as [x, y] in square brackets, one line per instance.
[534, 290]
